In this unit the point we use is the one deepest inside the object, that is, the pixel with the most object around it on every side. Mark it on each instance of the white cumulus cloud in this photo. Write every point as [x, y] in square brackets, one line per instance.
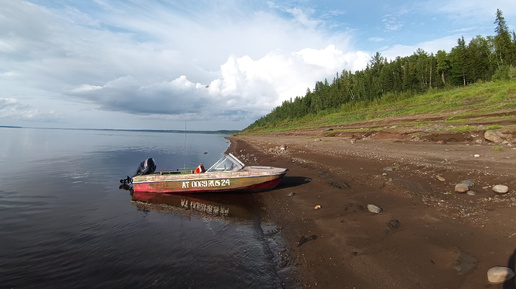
[246, 86]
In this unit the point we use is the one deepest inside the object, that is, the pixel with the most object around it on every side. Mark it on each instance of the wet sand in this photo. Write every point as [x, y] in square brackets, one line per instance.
[426, 236]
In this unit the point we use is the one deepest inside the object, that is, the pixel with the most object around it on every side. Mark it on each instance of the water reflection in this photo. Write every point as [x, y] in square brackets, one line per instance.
[195, 204]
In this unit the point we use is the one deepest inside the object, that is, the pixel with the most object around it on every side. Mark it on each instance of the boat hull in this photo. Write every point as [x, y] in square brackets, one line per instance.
[250, 179]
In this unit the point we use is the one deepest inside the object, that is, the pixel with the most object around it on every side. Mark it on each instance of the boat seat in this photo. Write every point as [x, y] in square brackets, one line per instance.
[200, 169]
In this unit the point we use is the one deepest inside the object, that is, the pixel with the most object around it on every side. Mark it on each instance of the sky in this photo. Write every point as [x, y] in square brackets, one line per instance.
[207, 64]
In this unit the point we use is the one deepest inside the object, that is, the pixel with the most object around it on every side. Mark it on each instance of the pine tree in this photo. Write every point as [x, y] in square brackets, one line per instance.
[480, 59]
[503, 43]
[459, 61]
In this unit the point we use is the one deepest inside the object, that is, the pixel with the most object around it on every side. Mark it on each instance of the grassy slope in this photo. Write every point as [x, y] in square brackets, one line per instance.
[489, 105]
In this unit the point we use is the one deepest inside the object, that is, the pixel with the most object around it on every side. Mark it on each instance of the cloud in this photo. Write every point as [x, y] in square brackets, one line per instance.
[376, 39]
[429, 46]
[476, 16]
[86, 88]
[473, 10]
[12, 108]
[392, 22]
[302, 16]
[9, 74]
[247, 88]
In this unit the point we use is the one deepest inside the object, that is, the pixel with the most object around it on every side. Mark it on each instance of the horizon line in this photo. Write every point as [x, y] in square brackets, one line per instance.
[125, 129]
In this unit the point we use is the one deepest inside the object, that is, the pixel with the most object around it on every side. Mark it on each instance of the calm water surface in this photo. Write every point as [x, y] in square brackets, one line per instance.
[64, 222]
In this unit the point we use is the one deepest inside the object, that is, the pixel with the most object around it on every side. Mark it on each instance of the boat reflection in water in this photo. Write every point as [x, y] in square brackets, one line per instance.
[200, 205]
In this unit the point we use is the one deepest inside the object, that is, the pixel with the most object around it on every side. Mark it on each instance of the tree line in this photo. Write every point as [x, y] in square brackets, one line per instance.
[482, 59]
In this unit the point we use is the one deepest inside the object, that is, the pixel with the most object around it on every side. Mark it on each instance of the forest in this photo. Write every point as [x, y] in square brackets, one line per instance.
[481, 60]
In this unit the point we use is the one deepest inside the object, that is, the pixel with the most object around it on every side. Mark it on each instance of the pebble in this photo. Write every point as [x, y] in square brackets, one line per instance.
[374, 209]
[469, 183]
[501, 189]
[291, 194]
[441, 178]
[471, 193]
[393, 224]
[499, 274]
[461, 188]
[305, 239]
[317, 207]
[339, 185]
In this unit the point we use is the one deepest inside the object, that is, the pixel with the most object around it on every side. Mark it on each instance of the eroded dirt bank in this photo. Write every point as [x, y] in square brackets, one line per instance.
[427, 235]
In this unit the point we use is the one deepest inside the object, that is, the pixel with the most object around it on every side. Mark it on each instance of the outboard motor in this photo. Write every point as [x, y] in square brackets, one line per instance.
[146, 167]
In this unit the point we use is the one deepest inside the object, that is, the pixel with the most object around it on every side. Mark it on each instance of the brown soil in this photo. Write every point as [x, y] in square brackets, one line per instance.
[427, 236]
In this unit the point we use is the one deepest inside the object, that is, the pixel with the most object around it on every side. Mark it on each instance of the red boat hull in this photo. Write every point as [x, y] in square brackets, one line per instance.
[249, 180]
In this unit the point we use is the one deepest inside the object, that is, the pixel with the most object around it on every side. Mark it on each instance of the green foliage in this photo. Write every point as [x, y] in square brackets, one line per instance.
[501, 74]
[400, 86]
[497, 148]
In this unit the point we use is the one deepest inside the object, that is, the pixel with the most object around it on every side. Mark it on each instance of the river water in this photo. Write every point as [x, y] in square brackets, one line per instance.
[65, 223]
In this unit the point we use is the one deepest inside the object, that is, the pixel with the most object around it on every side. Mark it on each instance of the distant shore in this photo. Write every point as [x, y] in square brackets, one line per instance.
[226, 132]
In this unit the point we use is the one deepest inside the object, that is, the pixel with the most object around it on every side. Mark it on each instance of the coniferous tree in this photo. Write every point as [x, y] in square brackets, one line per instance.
[459, 59]
[503, 43]
[480, 59]
[377, 64]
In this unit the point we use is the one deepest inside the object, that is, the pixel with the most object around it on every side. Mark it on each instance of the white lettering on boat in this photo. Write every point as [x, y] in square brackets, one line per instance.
[206, 184]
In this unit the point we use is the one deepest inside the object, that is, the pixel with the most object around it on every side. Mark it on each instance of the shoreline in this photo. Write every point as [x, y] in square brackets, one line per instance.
[426, 236]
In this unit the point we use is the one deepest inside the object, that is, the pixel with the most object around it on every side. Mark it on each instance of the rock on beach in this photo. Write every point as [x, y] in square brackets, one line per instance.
[501, 189]
[497, 275]
[496, 136]
[461, 188]
[469, 183]
[374, 209]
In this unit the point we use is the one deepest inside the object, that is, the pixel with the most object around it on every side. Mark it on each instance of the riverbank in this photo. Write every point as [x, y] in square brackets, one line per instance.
[426, 235]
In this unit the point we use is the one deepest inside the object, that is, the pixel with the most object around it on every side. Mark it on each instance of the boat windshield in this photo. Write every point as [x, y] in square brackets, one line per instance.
[227, 163]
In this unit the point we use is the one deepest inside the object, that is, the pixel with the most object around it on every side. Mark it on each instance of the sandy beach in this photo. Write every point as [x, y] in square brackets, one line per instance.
[423, 233]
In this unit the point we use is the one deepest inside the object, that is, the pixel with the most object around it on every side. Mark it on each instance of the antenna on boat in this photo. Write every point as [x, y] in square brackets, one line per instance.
[185, 149]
